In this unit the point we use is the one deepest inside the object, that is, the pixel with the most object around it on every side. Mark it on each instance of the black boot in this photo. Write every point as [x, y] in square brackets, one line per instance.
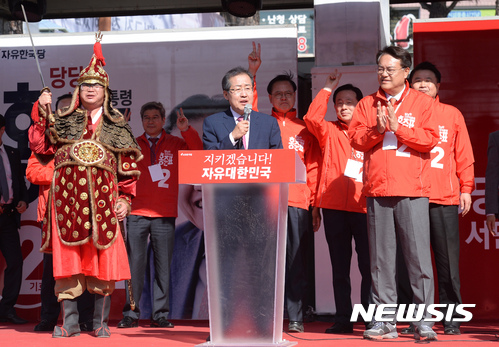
[70, 326]
[101, 315]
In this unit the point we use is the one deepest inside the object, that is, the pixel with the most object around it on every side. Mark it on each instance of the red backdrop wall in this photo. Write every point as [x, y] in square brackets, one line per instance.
[467, 55]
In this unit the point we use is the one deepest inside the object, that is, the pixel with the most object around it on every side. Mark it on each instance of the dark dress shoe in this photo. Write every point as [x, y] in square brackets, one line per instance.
[340, 328]
[452, 330]
[295, 327]
[162, 322]
[87, 326]
[128, 322]
[410, 330]
[45, 325]
[13, 318]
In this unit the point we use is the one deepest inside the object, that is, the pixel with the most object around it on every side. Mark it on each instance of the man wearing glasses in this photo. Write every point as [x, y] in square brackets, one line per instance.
[282, 95]
[395, 129]
[229, 130]
[153, 214]
[242, 231]
[95, 173]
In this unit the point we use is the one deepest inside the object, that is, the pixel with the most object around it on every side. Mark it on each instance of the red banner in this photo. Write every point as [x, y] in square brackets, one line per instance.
[238, 166]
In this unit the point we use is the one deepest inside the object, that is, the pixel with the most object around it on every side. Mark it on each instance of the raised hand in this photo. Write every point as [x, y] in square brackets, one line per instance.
[182, 121]
[254, 59]
[333, 80]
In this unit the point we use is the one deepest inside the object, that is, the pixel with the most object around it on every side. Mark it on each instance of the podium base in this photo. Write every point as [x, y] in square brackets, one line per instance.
[283, 343]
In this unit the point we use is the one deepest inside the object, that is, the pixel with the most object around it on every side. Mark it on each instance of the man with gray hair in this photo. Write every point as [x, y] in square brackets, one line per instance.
[154, 211]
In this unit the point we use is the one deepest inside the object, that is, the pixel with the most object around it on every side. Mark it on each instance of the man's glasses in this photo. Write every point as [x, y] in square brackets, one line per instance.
[88, 86]
[280, 95]
[239, 90]
[389, 70]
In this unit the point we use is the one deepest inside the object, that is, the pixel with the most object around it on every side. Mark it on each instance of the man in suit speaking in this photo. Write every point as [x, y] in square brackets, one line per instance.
[241, 253]
[230, 129]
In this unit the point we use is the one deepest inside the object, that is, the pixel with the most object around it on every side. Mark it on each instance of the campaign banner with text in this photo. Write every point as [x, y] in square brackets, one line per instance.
[174, 67]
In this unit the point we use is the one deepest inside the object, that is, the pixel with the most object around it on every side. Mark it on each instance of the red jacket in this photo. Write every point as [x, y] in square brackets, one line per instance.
[160, 198]
[294, 135]
[41, 175]
[335, 190]
[452, 169]
[404, 171]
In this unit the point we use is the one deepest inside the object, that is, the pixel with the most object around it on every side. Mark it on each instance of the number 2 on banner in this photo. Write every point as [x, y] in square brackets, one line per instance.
[162, 183]
[440, 154]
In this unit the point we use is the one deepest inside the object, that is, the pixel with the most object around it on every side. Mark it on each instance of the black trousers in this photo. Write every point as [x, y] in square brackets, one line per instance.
[444, 237]
[10, 246]
[297, 246]
[340, 227]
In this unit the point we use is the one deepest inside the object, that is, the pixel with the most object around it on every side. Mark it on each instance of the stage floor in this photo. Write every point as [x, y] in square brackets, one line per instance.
[191, 333]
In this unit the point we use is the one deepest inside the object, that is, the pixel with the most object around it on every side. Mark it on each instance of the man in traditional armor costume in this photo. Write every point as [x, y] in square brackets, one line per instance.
[95, 174]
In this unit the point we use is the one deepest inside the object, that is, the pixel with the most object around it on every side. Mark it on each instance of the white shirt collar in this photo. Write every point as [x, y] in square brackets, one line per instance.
[396, 97]
[158, 137]
[235, 114]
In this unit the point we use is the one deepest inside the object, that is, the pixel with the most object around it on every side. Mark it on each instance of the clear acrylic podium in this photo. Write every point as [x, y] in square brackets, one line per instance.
[245, 199]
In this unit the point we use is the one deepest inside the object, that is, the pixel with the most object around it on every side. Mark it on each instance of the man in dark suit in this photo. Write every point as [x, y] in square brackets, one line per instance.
[229, 130]
[492, 182]
[241, 222]
[13, 197]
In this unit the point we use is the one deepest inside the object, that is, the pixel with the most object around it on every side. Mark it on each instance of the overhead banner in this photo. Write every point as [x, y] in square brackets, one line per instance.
[173, 67]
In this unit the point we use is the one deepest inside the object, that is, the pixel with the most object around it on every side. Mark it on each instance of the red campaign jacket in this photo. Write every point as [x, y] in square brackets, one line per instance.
[41, 175]
[294, 135]
[335, 190]
[406, 170]
[160, 198]
[452, 168]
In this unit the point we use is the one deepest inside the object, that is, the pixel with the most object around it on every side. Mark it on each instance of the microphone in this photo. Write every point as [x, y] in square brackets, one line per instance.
[247, 111]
